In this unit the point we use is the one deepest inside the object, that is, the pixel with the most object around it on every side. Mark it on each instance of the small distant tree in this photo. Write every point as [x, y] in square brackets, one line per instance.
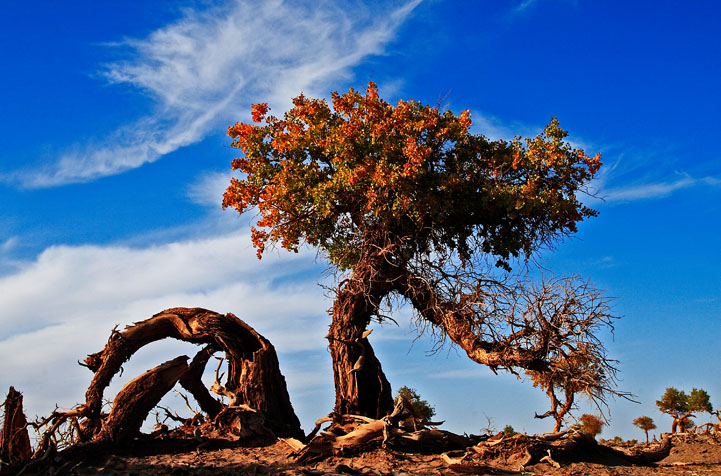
[579, 311]
[508, 430]
[423, 411]
[681, 406]
[490, 428]
[590, 424]
[645, 423]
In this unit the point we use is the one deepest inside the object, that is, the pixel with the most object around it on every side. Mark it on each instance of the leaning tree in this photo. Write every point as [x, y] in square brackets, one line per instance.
[682, 406]
[405, 201]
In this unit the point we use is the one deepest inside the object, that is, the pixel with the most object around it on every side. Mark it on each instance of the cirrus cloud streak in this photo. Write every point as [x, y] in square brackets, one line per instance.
[204, 70]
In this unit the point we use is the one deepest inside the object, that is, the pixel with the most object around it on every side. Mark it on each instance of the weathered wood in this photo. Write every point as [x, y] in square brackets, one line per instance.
[253, 375]
[353, 433]
[642, 457]
[241, 423]
[135, 400]
[522, 450]
[14, 439]
[191, 381]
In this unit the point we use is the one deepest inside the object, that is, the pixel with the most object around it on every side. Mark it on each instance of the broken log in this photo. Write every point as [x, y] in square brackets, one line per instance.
[521, 450]
[641, 457]
[14, 438]
[350, 434]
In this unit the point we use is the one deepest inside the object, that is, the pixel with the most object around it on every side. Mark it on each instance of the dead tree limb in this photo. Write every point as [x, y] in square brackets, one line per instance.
[354, 433]
[138, 397]
[191, 381]
[522, 450]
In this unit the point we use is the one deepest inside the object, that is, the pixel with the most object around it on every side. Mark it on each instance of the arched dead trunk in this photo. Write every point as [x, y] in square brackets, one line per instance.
[253, 376]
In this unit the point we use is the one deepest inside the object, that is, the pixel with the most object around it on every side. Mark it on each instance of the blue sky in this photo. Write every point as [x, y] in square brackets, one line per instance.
[115, 156]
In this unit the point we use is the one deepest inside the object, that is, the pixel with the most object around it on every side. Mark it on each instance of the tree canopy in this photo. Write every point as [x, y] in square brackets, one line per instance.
[366, 173]
[681, 406]
[590, 424]
[645, 423]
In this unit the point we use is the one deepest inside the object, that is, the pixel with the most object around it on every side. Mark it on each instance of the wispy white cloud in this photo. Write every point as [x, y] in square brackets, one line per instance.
[524, 5]
[8, 244]
[208, 189]
[655, 190]
[205, 69]
[497, 129]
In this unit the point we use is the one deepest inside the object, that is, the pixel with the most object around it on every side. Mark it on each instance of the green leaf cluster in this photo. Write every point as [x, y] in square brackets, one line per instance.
[423, 410]
[677, 401]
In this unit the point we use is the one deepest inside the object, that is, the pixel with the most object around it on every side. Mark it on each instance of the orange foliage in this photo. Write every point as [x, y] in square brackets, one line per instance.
[328, 175]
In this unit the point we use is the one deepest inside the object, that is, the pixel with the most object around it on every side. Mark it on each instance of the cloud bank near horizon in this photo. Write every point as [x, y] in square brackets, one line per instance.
[62, 305]
[203, 71]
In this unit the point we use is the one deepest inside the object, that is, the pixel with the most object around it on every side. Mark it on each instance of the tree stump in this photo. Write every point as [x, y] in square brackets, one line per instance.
[14, 439]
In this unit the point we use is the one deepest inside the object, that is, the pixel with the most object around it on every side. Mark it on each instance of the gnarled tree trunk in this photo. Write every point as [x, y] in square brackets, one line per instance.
[361, 387]
[457, 323]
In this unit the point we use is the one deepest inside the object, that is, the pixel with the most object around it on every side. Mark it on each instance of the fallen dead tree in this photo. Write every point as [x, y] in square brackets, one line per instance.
[520, 450]
[350, 434]
[258, 401]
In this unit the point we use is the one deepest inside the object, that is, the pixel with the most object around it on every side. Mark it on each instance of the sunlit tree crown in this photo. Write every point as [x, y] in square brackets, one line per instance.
[410, 177]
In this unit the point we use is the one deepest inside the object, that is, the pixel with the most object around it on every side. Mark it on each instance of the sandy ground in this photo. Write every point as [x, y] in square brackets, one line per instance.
[689, 456]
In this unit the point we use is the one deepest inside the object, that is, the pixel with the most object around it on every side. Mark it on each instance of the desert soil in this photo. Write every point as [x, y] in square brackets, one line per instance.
[690, 456]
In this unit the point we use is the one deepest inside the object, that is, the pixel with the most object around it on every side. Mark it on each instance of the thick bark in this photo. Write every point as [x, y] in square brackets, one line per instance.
[361, 387]
[138, 397]
[254, 373]
[14, 439]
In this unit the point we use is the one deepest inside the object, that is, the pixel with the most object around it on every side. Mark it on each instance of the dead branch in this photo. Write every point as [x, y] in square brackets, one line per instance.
[138, 397]
[353, 433]
[218, 389]
[548, 329]
[191, 381]
[521, 450]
